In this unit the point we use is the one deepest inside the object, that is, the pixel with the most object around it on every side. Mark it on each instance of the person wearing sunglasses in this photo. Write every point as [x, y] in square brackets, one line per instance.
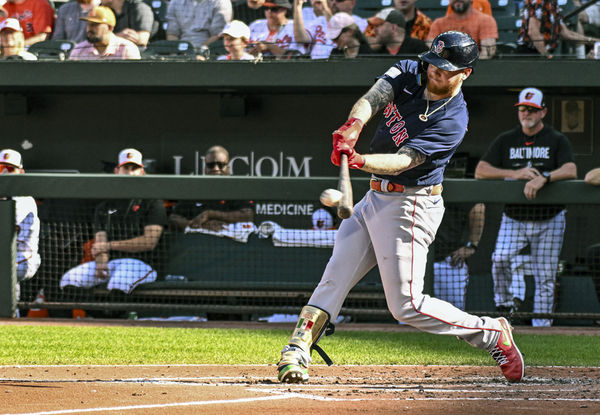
[350, 42]
[127, 235]
[273, 36]
[212, 215]
[27, 221]
[539, 155]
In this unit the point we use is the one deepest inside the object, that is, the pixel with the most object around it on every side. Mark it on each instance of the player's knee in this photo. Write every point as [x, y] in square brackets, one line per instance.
[402, 310]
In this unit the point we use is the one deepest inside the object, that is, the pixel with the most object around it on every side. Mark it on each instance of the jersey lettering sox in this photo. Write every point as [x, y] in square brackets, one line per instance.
[437, 138]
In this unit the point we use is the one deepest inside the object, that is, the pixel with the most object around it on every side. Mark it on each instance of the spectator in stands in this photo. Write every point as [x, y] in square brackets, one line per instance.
[482, 27]
[540, 155]
[212, 215]
[313, 31]
[126, 235]
[68, 25]
[101, 42]
[590, 19]
[347, 6]
[12, 41]
[542, 29]
[317, 8]
[198, 22]
[417, 22]
[235, 38]
[35, 16]
[248, 11]
[274, 35]
[483, 6]
[134, 20]
[349, 39]
[390, 35]
[27, 222]
[452, 251]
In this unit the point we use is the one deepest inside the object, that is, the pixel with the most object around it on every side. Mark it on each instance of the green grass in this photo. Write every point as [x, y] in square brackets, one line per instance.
[20, 345]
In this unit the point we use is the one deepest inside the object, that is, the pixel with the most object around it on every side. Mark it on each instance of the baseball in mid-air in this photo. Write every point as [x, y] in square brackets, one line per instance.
[331, 197]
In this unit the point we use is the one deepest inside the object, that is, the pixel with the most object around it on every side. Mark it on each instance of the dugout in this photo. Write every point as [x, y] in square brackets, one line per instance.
[276, 119]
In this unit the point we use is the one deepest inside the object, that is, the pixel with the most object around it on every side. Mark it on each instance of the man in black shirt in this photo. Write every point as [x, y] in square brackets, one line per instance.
[540, 155]
[212, 215]
[126, 235]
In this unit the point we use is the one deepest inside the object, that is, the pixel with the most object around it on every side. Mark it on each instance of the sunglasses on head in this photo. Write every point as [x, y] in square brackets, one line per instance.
[221, 165]
[525, 108]
[5, 167]
[274, 9]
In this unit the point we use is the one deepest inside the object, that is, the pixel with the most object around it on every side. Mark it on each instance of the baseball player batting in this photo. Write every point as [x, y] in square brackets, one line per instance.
[424, 121]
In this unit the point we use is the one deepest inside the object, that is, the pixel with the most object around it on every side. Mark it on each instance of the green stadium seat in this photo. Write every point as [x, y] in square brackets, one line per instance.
[54, 49]
[169, 49]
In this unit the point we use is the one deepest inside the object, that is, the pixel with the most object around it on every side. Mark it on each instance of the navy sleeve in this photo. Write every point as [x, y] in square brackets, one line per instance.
[157, 214]
[400, 74]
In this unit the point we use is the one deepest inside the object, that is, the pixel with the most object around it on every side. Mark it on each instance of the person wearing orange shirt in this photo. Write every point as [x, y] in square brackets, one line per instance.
[481, 27]
[35, 16]
[483, 6]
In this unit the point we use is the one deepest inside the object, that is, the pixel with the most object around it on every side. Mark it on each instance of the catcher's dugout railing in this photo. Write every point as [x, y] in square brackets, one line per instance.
[280, 280]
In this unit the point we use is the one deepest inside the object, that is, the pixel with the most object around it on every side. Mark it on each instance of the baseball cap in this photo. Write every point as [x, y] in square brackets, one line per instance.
[337, 23]
[100, 14]
[236, 29]
[11, 24]
[278, 3]
[531, 97]
[389, 14]
[322, 219]
[130, 155]
[11, 157]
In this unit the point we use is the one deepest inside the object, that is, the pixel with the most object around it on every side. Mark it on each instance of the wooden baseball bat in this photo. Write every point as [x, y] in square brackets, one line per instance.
[346, 206]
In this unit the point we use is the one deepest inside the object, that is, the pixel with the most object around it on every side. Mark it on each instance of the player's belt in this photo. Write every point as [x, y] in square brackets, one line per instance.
[385, 186]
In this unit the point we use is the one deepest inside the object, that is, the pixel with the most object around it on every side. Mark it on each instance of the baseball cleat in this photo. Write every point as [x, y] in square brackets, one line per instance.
[293, 366]
[507, 354]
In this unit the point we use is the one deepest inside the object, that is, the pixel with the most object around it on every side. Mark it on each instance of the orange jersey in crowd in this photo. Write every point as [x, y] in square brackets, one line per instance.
[478, 25]
[35, 16]
[481, 5]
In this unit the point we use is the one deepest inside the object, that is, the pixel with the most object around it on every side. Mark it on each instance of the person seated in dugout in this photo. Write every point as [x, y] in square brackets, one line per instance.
[127, 234]
[211, 215]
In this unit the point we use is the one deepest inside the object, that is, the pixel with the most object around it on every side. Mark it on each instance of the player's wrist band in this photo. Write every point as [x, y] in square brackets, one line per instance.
[471, 245]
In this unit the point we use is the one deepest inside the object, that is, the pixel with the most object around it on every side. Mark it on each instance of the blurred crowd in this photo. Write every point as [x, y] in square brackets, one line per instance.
[284, 29]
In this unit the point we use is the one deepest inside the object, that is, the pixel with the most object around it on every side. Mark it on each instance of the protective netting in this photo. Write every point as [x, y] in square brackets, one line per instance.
[486, 258]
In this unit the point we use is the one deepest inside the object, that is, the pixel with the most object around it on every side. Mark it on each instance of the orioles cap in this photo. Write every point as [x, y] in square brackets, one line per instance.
[130, 156]
[531, 97]
[11, 157]
[337, 23]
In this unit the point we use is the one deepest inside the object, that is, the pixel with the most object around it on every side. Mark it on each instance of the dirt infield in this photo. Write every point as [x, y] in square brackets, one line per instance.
[209, 389]
[254, 389]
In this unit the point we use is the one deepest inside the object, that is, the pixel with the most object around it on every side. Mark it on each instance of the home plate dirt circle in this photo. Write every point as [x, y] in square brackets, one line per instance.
[204, 389]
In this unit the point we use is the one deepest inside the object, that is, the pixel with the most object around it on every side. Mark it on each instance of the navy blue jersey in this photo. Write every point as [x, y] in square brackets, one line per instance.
[437, 138]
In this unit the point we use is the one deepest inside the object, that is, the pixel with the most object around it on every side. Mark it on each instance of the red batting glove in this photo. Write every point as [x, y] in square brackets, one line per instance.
[346, 135]
[349, 132]
[355, 160]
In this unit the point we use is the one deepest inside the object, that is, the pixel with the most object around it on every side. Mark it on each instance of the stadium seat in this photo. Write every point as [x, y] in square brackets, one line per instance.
[504, 8]
[169, 49]
[159, 8]
[508, 31]
[54, 49]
